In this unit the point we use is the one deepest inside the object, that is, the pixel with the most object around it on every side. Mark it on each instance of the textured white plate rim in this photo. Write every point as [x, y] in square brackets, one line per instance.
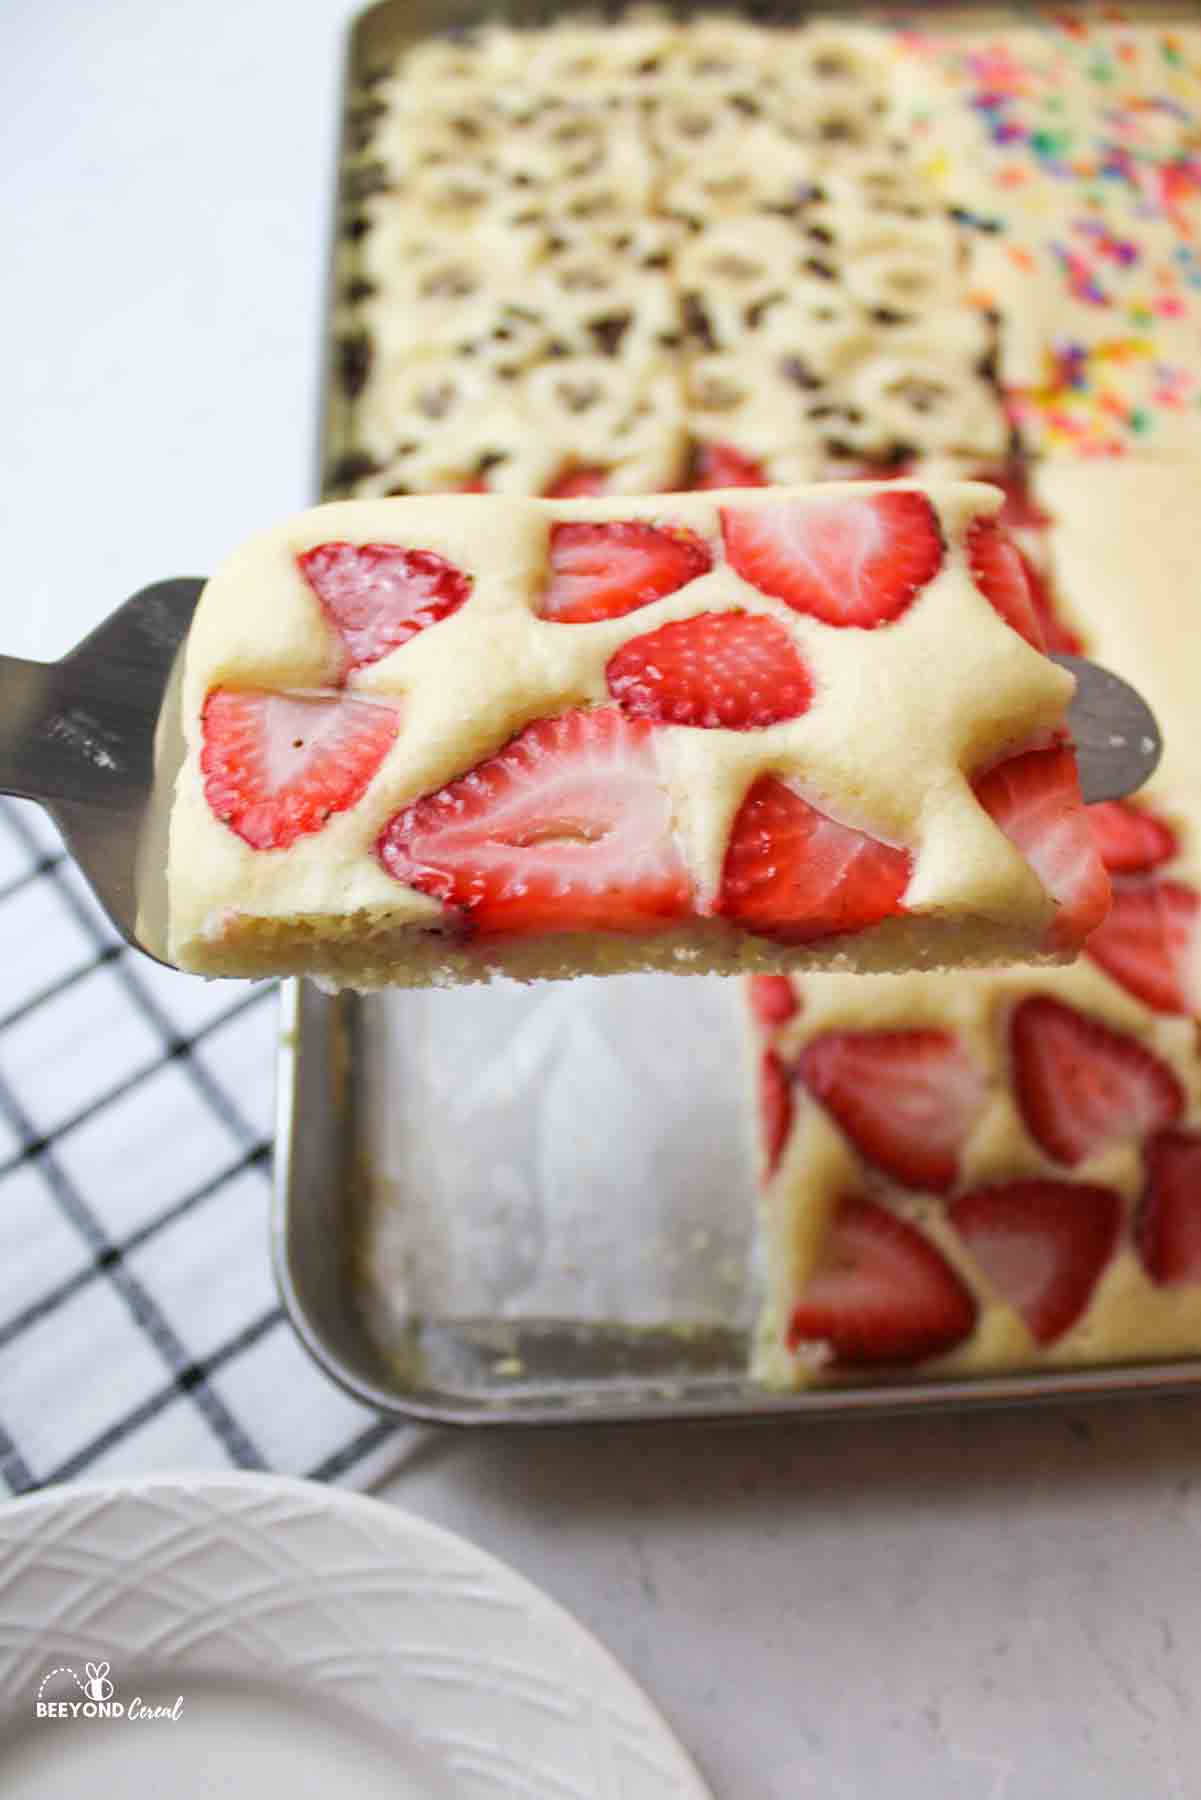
[47, 1515]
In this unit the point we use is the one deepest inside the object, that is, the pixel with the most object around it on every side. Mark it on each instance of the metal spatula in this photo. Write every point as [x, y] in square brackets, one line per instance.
[79, 736]
[96, 740]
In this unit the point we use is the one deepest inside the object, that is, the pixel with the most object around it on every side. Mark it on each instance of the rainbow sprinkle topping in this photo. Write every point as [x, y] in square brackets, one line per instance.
[1083, 151]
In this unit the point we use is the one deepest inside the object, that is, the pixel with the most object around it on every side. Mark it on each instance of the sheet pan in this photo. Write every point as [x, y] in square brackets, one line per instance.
[535, 1205]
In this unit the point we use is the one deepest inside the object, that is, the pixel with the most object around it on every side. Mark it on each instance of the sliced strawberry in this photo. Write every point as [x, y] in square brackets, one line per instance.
[568, 828]
[276, 766]
[1035, 800]
[577, 484]
[890, 468]
[852, 559]
[1080, 1086]
[1167, 1230]
[881, 1293]
[775, 1110]
[378, 596]
[1056, 635]
[721, 466]
[999, 573]
[773, 1000]
[1021, 512]
[473, 484]
[906, 1099]
[1020, 508]
[1042, 1245]
[734, 670]
[792, 874]
[1148, 943]
[602, 569]
[1130, 839]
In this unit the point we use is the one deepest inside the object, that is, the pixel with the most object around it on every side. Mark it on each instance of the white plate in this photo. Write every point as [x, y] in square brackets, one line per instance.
[317, 1644]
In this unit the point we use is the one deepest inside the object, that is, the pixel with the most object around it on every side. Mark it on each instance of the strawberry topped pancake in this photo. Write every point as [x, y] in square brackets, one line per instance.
[994, 1170]
[974, 1171]
[431, 740]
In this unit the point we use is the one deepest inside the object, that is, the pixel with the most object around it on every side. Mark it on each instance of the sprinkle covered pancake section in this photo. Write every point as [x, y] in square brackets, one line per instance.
[1070, 147]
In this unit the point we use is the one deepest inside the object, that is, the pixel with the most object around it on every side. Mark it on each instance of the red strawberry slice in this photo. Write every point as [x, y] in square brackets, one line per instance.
[568, 828]
[1020, 508]
[1035, 800]
[852, 559]
[1056, 635]
[1148, 943]
[1130, 839]
[773, 1000]
[721, 466]
[793, 874]
[276, 766]
[1042, 1245]
[378, 596]
[473, 484]
[606, 568]
[881, 1293]
[1167, 1230]
[1080, 1086]
[1021, 512]
[734, 670]
[999, 573]
[889, 468]
[577, 484]
[775, 1110]
[906, 1099]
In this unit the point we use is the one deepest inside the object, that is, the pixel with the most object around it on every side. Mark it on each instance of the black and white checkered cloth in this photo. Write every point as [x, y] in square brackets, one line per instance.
[140, 1328]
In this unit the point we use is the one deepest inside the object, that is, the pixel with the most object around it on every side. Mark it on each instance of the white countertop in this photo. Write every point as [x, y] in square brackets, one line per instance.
[995, 1608]
[1001, 1607]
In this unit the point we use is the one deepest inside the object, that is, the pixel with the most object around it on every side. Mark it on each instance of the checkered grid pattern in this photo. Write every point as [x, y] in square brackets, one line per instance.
[140, 1328]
